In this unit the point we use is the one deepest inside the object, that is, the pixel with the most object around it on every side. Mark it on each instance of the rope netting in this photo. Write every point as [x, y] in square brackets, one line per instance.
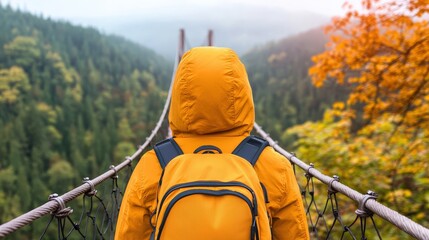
[334, 210]
[97, 217]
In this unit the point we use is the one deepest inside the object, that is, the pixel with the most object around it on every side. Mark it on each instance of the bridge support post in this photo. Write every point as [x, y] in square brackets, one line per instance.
[210, 38]
[181, 43]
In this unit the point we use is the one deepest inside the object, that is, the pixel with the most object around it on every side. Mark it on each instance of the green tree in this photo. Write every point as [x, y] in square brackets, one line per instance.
[61, 176]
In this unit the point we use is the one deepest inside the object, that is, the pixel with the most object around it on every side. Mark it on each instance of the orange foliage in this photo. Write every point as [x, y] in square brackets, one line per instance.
[381, 133]
[383, 52]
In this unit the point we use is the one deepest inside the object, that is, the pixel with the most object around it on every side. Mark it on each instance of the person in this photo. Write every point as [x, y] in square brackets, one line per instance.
[212, 104]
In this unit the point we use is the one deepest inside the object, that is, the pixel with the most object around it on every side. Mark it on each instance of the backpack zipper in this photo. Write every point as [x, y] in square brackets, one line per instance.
[209, 184]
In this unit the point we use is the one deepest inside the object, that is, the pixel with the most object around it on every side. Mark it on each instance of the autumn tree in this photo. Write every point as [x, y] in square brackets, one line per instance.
[23, 50]
[13, 82]
[379, 137]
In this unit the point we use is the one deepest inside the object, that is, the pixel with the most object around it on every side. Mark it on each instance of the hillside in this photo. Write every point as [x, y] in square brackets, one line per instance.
[283, 92]
[72, 102]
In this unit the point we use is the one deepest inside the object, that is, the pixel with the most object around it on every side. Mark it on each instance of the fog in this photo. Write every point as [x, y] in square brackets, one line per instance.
[241, 25]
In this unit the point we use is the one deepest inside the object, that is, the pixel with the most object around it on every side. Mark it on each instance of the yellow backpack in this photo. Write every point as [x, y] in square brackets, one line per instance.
[210, 196]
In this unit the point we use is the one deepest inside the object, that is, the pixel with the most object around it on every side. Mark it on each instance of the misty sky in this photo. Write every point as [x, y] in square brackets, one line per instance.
[239, 24]
[77, 10]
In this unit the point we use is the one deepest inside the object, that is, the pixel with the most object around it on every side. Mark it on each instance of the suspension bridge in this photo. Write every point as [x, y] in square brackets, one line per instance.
[340, 212]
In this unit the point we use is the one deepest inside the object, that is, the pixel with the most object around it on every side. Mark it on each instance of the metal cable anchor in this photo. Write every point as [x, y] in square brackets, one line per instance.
[307, 172]
[362, 211]
[115, 175]
[62, 211]
[335, 178]
[92, 191]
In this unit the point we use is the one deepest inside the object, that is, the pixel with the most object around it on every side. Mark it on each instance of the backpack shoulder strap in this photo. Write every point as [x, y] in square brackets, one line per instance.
[250, 148]
[167, 150]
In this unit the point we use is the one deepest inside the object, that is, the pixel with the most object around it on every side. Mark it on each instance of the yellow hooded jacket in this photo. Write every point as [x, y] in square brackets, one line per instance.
[212, 104]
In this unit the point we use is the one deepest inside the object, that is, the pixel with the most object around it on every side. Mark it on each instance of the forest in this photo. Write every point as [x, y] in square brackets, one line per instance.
[352, 98]
[72, 102]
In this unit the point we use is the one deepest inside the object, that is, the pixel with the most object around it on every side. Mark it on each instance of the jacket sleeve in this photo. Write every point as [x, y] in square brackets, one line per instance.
[139, 200]
[289, 220]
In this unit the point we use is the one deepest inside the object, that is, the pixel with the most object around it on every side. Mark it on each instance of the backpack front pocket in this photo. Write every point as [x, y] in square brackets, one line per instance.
[208, 210]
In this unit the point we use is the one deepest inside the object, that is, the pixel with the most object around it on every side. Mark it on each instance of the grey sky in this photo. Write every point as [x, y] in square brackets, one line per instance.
[83, 9]
[239, 24]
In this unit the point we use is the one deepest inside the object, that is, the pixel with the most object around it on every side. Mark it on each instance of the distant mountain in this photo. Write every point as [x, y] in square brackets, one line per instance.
[282, 89]
[240, 27]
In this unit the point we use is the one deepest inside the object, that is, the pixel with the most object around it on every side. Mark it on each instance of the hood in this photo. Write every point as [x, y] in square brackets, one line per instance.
[211, 95]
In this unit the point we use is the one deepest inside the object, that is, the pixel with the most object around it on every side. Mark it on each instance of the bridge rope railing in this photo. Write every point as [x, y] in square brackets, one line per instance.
[367, 203]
